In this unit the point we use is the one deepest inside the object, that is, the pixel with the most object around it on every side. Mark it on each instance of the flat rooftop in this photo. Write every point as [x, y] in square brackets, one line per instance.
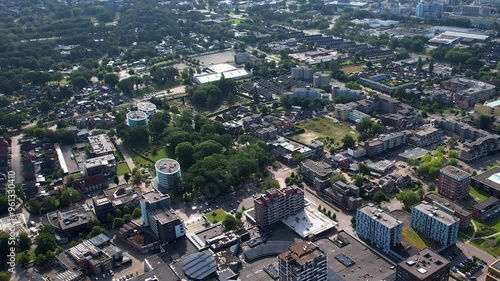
[154, 196]
[383, 217]
[414, 153]
[101, 144]
[164, 215]
[489, 178]
[99, 161]
[436, 213]
[167, 166]
[137, 115]
[492, 103]
[367, 265]
[447, 204]
[455, 172]
[424, 264]
[309, 222]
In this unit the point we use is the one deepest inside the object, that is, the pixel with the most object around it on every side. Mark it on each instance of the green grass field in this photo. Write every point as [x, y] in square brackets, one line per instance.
[139, 161]
[488, 245]
[122, 168]
[477, 194]
[220, 215]
[326, 130]
[162, 153]
[417, 241]
[352, 68]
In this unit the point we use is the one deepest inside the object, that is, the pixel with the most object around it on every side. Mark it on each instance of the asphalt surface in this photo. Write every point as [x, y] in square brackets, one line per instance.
[15, 151]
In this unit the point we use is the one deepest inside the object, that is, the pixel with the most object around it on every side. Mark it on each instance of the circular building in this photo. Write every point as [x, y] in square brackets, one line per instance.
[136, 118]
[148, 108]
[168, 173]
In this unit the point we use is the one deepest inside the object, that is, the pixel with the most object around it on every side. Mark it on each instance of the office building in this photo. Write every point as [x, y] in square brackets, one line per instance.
[426, 265]
[378, 227]
[320, 79]
[148, 108]
[278, 204]
[302, 73]
[100, 145]
[168, 173]
[451, 207]
[137, 118]
[487, 210]
[316, 172]
[493, 272]
[429, 10]
[151, 201]
[105, 165]
[436, 224]
[165, 224]
[303, 261]
[454, 183]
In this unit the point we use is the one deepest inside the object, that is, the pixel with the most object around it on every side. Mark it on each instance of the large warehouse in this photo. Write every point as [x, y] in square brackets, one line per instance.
[214, 73]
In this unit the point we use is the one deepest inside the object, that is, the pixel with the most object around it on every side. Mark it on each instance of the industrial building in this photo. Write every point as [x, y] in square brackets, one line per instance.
[215, 72]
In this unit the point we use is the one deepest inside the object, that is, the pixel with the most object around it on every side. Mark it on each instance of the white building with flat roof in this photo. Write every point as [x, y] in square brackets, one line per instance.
[215, 72]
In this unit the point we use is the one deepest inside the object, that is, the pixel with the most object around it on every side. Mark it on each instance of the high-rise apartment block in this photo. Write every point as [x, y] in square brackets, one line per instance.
[426, 265]
[454, 183]
[303, 261]
[435, 223]
[378, 227]
[278, 204]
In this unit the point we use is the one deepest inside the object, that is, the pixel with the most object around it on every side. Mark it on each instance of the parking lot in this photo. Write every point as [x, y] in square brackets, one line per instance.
[216, 58]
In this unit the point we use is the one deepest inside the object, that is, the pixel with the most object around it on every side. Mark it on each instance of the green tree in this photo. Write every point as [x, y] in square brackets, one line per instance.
[65, 198]
[111, 80]
[358, 180]
[127, 218]
[337, 177]
[96, 230]
[35, 206]
[270, 183]
[24, 242]
[238, 215]
[408, 198]
[49, 203]
[126, 177]
[118, 213]
[109, 218]
[230, 222]
[348, 141]
[40, 260]
[136, 213]
[380, 196]
[116, 180]
[45, 242]
[431, 67]
[184, 152]
[117, 223]
[413, 161]
[364, 169]
[452, 162]
[419, 64]
[299, 157]
[484, 122]
[22, 259]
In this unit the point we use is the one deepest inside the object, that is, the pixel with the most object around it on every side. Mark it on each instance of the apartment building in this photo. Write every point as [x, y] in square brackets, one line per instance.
[454, 183]
[378, 227]
[451, 207]
[383, 142]
[435, 223]
[344, 195]
[316, 172]
[303, 261]
[486, 210]
[425, 136]
[278, 204]
[426, 265]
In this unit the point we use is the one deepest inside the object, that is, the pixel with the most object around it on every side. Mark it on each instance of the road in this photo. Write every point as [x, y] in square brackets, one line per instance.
[15, 151]
[123, 148]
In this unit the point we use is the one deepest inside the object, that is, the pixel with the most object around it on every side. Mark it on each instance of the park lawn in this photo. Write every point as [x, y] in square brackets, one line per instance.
[487, 245]
[161, 153]
[478, 194]
[324, 129]
[352, 68]
[218, 218]
[139, 161]
[417, 241]
[495, 224]
[122, 168]
[468, 231]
